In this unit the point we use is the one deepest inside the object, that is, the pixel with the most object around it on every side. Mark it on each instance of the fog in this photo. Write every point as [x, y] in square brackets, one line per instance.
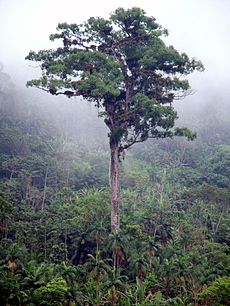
[199, 28]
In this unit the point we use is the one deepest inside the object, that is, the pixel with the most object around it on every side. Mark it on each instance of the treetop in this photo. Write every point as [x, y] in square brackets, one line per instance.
[124, 67]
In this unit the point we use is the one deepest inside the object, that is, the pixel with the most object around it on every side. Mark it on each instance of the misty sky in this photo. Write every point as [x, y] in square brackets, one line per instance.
[198, 27]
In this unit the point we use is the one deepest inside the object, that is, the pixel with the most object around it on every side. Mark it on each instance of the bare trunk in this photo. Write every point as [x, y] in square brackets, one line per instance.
[115, 188]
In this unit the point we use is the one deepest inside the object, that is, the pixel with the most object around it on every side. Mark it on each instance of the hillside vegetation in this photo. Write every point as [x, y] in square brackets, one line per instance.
[56, 247]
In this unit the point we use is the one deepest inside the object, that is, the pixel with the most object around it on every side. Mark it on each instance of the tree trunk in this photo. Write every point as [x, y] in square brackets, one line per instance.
[115, 188]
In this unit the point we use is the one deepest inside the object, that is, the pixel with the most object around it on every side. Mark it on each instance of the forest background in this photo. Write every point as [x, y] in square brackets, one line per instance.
[55, 243]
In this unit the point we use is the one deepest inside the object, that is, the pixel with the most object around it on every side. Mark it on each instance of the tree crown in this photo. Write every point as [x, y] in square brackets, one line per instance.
[124, 67]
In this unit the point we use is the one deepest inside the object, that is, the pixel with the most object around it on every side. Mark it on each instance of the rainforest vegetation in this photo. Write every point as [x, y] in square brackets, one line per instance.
[124, 68]
[57, 247]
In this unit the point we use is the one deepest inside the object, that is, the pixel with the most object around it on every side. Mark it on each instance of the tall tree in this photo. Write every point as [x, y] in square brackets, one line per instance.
[122, 65]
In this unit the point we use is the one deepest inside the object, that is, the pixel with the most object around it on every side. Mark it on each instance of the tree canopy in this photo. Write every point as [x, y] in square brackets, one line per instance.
[124, 67]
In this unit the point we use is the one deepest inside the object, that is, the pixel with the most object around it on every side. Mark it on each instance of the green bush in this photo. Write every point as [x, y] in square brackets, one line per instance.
[53, 294]
[217, 294]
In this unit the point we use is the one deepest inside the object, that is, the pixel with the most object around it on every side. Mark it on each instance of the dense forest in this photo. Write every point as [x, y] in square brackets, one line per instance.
[57, 247]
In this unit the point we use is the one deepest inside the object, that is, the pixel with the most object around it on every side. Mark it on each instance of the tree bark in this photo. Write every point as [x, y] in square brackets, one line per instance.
[115, 188]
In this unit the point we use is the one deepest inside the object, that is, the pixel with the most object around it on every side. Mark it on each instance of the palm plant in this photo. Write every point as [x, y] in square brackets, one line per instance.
[70, 274]
[97, 267]
[116, 284]
[33, 276]
[116, 244]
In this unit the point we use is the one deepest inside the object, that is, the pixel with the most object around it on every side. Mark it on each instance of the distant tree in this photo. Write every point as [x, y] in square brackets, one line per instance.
[122, 66]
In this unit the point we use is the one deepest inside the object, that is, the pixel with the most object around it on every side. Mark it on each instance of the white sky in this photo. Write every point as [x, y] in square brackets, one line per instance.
[198, 27]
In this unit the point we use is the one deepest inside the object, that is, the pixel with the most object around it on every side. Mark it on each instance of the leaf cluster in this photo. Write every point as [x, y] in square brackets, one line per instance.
[124, 67]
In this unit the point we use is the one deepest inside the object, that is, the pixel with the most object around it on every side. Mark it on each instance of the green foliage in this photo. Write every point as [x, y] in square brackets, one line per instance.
[53, 294]
[124, 67]
[215, 168]
[165, 256]
[5, 207]
[135, 174]
[217, 294]
[174, 246]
